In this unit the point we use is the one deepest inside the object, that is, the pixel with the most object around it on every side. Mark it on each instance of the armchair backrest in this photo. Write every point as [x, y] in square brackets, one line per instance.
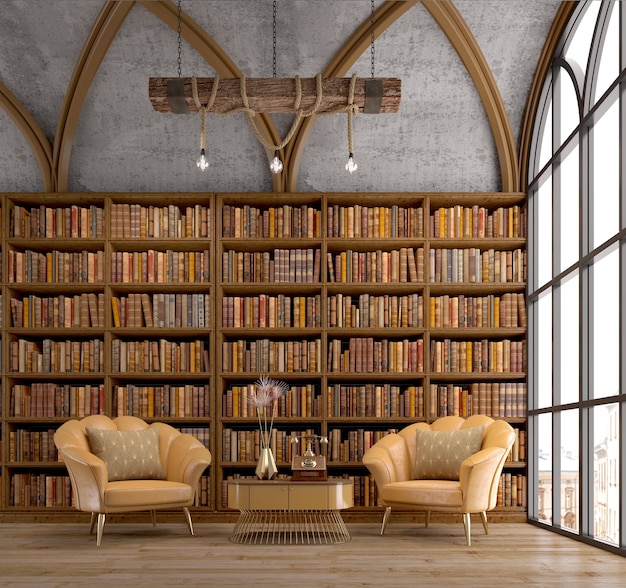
[73, 433]
[447, 423]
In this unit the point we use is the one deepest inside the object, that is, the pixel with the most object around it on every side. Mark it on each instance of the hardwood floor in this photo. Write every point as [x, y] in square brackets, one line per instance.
[407, 555]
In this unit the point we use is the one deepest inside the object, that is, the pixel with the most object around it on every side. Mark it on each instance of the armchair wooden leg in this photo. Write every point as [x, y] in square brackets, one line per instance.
[101, 521]
[188, 519]
[385, 519]
[467, 525]
[92, 523]
[483, 518]
[427, 519]
[153, 517]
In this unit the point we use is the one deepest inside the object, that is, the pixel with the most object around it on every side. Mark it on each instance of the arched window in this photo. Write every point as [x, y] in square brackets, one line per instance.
[577, 279]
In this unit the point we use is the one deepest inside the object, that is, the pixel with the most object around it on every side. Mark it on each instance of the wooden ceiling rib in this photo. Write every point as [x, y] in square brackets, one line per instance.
[32, 132]
[99, 40]
[461, 38]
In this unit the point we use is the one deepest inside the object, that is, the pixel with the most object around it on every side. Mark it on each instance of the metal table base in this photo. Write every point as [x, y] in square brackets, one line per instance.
[290, 527]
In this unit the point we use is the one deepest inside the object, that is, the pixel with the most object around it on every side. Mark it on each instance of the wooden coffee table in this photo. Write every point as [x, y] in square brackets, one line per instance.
[287, 512]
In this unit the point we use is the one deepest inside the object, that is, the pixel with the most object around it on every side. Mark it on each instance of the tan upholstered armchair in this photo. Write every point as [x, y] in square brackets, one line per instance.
[410, 473]
[142, 466]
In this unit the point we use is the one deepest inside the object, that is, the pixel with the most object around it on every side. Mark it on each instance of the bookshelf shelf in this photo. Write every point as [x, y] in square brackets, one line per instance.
[284, 252]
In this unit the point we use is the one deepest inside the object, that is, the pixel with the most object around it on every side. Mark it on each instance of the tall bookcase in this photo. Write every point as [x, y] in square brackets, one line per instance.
[376, 309]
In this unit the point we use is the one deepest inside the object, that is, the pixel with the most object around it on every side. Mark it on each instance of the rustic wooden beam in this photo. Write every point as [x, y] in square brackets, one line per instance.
[275, 94]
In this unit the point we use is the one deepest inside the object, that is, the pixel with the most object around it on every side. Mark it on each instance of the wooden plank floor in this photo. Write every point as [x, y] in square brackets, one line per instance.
[407, 555]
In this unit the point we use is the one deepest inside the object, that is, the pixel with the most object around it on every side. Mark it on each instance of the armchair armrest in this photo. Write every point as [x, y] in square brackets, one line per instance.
[479, 479]
[187, 459]
[388, 460]
[89, 475]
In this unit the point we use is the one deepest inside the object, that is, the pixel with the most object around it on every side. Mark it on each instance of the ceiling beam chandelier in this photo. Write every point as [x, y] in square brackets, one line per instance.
[302, 97]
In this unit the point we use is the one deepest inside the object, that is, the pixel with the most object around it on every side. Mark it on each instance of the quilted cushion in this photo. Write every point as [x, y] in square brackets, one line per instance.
[439, 454]
[128, 455]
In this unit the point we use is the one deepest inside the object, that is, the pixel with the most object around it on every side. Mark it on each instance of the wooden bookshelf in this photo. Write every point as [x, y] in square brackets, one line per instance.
[171, 306]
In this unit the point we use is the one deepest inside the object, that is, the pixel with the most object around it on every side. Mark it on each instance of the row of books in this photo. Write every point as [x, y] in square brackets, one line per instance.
[369, 310]
[265, 355]
[284, 221]
[30, 445]
[349, 445]
[71, 311]
[160, 267]
[474, 265]
[279, 311]
[487, 312]
[159, 356]
[167, 400]
[512, 490]
[375, 222]
[239, 445]
[46, 399]
[375, 400]
[292, 266]
[45, 490]
[519, 450]
[484, 356]
[494, 399]
[63, 222]
[56, 267]
[368, 355]
[203, 492]
[398, 266]
[470, 222]
[56, 356]
[161, 310]
[202, 434]
[29, 490]
[299, 401]
[130, 221]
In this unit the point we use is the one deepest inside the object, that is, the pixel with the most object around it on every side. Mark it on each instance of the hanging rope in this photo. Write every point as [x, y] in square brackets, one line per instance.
[351, 108]
[203, 109]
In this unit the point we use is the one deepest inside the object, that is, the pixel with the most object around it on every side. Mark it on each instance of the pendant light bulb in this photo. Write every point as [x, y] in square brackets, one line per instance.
[351, 166]
[276, 165]
[202, 162]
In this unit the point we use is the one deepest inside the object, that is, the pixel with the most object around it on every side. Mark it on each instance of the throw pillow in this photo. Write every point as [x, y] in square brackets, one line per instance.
[128, 455]
[439, 454]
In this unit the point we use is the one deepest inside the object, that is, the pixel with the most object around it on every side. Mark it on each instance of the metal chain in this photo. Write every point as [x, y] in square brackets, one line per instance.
[274, 40]
[372, 43]
[179, 41]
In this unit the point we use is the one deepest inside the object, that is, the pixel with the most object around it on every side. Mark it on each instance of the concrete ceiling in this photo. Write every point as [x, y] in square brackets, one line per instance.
[441, 139]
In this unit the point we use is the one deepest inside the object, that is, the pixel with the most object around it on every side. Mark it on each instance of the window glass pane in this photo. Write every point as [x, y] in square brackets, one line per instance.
[545, 152]
[605, 196]
[543, 201]
[569, 340]
[569, 469]
[544, 349]
[605, 324]
[578, 46]
[606, 473]
[568, 107]
[544, 468]
[608, 69]
[569, 210]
